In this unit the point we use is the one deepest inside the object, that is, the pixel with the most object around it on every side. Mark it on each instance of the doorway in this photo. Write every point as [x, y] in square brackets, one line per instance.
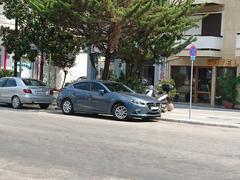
[203, 84]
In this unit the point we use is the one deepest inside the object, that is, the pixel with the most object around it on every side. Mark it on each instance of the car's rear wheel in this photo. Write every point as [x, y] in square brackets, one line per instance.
[67, 106]
[44, 106]
[16, 102]
[120, 112]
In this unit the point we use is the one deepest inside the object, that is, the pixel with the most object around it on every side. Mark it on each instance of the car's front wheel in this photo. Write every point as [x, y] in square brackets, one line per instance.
[67, 106]
[43, 106]
[120, 112]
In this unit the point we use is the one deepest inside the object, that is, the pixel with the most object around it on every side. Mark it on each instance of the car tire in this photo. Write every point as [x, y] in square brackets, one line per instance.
[16, 102]
[44, 106]
[67, 106]
[120, 112]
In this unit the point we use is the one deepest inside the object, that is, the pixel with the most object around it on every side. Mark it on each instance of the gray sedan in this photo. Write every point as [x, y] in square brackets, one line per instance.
[17, 91]
[106, 97]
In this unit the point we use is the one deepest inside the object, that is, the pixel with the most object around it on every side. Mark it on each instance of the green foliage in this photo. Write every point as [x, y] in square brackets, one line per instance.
[6, 73]
[228, 88]
[32, 27]
[159, 33]
[172, 93]
[63, 61]
[135, 83]
[129, 29]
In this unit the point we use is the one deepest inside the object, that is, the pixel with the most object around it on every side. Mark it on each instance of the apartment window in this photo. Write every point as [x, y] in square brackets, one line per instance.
[211, 25]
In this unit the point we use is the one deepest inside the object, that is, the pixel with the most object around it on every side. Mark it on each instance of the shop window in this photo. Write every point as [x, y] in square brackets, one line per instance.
[148, 74]
[223, 72]
[181, 75]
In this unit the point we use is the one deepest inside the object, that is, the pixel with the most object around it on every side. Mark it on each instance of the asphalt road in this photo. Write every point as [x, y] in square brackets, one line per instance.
[37, 144]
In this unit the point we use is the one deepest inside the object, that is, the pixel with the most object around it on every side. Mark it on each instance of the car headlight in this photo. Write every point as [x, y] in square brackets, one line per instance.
[137, 102]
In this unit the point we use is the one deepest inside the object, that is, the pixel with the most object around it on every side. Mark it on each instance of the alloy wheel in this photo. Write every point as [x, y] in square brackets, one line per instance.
[121, 112]
[67, 107]
[16, 103]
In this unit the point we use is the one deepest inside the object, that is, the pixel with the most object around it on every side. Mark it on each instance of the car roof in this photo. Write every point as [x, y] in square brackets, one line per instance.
[10, 78]
[97, 81]
[19, 78]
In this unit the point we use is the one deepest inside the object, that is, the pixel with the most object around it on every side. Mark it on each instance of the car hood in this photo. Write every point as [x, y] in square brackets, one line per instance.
[142, 97]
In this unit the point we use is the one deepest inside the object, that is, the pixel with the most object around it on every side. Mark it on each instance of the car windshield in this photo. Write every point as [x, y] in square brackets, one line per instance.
[118, 87]
[33, 82]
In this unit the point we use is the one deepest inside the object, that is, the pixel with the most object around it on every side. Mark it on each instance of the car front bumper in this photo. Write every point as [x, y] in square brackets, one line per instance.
[143, 112]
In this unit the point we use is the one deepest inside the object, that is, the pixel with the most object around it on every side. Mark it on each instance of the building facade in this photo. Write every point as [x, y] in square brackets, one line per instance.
[5, 58]
[218, 44]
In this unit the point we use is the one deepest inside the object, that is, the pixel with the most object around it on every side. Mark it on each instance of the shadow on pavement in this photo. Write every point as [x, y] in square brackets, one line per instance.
[53, 110]
[204, 107]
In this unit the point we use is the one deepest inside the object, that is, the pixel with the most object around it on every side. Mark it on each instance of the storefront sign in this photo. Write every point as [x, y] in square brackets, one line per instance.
[223, 62]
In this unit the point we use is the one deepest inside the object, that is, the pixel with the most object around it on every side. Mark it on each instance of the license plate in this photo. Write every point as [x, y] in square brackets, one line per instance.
[163, 105]
[40, 92]
[154, 108]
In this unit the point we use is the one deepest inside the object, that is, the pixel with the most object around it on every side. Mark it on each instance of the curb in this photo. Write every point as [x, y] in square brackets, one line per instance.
[200, 123]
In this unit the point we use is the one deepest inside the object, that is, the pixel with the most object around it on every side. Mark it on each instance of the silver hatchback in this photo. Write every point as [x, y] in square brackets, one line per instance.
[18, 91]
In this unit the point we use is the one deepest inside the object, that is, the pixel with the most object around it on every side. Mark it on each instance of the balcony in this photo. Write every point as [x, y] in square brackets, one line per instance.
[208, 46]
[238, 44]
[213, 2]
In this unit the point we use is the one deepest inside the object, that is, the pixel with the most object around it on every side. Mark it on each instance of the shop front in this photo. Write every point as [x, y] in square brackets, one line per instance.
[206, 76]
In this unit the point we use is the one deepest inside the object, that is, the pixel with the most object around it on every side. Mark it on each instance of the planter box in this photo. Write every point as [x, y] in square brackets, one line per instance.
[237, 106]
[228, 105]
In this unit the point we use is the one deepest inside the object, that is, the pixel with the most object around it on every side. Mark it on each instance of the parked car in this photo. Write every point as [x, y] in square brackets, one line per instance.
[18, 91]
[107, 97]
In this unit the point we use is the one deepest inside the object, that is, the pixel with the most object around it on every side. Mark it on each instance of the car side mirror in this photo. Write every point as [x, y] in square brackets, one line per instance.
[101, 91]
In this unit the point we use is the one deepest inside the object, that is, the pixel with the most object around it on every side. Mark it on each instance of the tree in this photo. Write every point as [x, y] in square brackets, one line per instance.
[15, 40]
[64, 61]
[33, 28]
[157, 34]
[130, 29]
[98, 22]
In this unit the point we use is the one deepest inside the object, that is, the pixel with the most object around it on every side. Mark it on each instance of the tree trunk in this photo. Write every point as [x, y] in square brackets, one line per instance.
[64, 79]
[15, 57]
[41, 67]
[15, 67]
[106, 64]
[129, 72]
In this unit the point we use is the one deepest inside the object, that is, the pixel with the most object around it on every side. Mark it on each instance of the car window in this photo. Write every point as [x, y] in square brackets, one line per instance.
[83, 86]
[33, 82]
[2, 82]
[10, 83]
[117, 87]
[96, 87]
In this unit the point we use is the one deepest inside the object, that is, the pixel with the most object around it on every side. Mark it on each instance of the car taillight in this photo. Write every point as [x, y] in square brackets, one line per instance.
[27, 91]
[51, 92]
[60, 90]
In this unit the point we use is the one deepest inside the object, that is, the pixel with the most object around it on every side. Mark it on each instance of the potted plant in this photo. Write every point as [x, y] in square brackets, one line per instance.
[228, 90]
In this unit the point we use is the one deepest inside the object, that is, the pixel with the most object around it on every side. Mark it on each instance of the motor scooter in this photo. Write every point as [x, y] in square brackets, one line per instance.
[163, 98]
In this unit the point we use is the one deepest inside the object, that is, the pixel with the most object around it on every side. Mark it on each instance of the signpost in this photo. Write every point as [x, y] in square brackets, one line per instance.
[193, 54]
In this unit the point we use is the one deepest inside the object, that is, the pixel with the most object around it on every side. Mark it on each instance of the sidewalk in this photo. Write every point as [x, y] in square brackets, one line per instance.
[208, 116]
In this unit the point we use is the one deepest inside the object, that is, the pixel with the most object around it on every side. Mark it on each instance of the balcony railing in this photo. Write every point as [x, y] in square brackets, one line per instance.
[209, 46]
[220, 2]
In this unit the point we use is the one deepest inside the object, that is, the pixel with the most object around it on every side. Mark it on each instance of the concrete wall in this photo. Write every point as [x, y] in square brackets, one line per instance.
[231, 27]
